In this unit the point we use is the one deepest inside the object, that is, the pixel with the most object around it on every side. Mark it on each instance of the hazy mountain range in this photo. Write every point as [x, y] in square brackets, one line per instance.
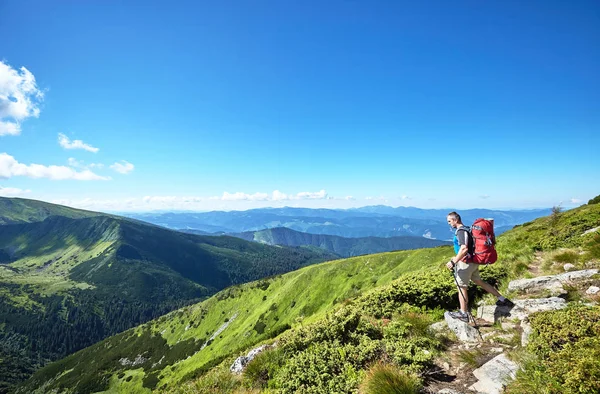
[372, 221]
[341, 246]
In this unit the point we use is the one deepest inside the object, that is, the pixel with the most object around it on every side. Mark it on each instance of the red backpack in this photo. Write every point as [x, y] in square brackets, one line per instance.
[482, 235]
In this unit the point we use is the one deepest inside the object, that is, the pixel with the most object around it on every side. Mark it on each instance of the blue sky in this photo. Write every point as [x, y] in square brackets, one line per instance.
[144, 105]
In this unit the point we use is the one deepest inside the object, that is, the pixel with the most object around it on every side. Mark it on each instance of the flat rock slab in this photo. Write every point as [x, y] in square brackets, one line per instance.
[521, 310]
[494, 375]
[550, 283]
[464, 332]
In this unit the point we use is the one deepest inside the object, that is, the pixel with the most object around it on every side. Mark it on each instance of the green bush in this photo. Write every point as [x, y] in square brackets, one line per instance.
[389, 379]
[565, 353]
[592, 248]
[326, 367]
[594, 200]
[262, 368]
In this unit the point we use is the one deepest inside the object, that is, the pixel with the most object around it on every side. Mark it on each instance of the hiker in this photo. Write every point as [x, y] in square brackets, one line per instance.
[465, 271]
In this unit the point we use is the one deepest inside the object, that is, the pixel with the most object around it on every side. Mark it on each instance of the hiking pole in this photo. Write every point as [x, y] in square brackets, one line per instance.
[470, 316]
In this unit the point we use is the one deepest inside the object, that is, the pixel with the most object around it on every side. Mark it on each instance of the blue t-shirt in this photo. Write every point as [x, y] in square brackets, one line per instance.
[460, 238]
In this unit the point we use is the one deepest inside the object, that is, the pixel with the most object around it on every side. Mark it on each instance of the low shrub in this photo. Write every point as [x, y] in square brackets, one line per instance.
[389, 379]
[262, 368]
[564, 353]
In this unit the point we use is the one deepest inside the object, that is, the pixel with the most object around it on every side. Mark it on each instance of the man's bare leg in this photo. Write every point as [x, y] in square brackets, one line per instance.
[487, 287]
[463, 299]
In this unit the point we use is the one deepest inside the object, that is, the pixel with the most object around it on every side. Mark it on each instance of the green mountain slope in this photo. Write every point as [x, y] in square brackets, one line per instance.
[251, 313]
[21, 210]
[344, 247]
[67, 283]
[187, 343]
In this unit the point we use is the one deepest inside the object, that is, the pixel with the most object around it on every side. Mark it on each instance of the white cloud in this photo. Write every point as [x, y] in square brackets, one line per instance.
[12, 191]
[170, 199]
[320, 195]
[66, 143]
[75, 163]
[380, 198]
[575, 201]
[10, 167]
[275, 196]
[81, 164]
[19, 98]
[350, 198]
[484, 197]
[243, 196]
[279, 196]
[9, 128]
[124, 167]
[405, 197]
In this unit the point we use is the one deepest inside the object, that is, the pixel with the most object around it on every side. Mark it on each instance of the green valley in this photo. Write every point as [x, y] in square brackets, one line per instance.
[70, 278]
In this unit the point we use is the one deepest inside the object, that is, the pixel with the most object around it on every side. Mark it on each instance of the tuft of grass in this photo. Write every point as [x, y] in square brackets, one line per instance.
[389, 379]
[471, 357]
[566, 257]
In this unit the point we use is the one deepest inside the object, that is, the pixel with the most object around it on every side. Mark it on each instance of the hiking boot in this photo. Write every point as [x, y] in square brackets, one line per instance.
[460, 315]
[506, 302]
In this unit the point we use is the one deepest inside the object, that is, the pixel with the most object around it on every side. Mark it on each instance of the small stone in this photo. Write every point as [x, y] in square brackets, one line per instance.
[592, 290]
[496, 350]
[569, 267]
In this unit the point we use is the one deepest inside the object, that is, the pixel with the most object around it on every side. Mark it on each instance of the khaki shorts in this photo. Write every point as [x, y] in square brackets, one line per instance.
[466, 272]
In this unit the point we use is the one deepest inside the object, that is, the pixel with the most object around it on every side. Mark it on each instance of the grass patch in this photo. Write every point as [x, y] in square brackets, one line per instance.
[390, 379]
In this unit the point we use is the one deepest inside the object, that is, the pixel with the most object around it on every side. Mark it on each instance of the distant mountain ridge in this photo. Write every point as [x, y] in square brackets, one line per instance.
[373, 221]
[344, 247]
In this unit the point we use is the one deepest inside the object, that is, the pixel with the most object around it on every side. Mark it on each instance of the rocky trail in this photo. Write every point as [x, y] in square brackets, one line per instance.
[480, 359]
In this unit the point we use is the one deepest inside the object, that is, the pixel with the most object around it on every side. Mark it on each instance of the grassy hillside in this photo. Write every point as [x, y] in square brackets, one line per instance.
[66, 283]
[343, 247]
[332, 319]
[247, 314]
[20, 210]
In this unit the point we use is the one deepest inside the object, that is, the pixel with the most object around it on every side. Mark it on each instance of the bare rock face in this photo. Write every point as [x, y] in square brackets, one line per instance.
[521, 310]
[550, 283]
[464, 332]
[494, 375]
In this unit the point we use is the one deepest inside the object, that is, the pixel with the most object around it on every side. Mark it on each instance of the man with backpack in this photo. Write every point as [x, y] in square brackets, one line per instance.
[467, 260]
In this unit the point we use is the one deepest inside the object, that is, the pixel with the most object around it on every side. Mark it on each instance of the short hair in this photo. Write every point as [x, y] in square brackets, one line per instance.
[455, 216]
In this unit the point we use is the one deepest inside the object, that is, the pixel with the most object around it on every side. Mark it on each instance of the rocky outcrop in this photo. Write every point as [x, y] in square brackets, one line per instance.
[551, 283]
[240, 363]
[494, 375]
[464, 332]
[521, 310]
